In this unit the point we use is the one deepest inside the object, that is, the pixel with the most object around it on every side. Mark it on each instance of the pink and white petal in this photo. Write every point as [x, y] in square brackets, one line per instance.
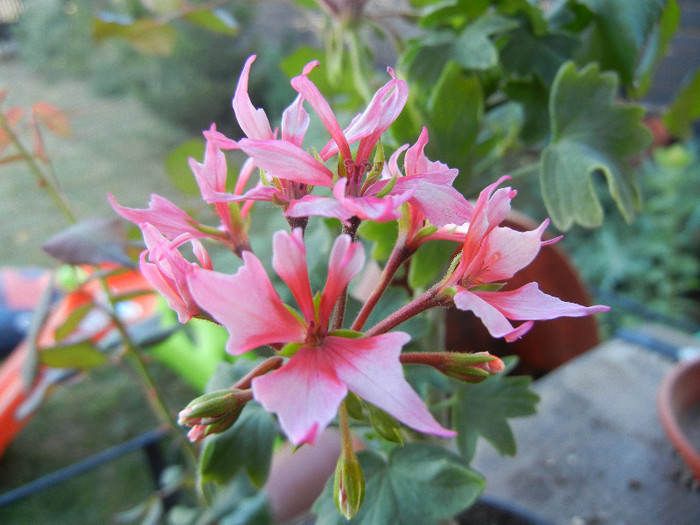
[495, 322]
[210, 175]
[289, 261]
[346, 260]
[253, 122]
[370, 368]
[529, 303]
[219, 139]
[310, 92]
[317, 206]
[165, 287]
[305, 394]
[295, 122]
[162, 213]
[285, 160]
[507, 251]
[436, 199]
[247, 305]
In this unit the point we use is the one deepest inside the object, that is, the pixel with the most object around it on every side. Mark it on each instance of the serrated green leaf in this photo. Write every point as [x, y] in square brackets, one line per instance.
[247, 444]
[590, 134]
[177, 165]
[685, 108]
[419, 483]
[483, 409]
[82, 354]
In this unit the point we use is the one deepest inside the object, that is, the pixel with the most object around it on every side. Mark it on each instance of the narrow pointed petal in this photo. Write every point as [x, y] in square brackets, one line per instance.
[253, 122]
[284, 160]
[167, 217]
[529, 303]
[247, 305]
[314, 205]
[369, 207]
[310, 92]
[211, 174]
[305, 394]
[436, 199]
[370, 368]
[289, 261]
[346, 260]
[295, 122]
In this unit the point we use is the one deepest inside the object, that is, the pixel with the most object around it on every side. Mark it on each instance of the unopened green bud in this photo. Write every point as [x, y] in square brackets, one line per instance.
[213, 412]
[348, 485]
[471, 367]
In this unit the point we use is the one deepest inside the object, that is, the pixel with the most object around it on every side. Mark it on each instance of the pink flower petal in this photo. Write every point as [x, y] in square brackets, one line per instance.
[346, 260]
[508, 251]
[247, 305]
[253, 122]
[314, 205]
[289, 261]
[295, 122]
[310, 92]
[284, 160]
[305, 394]
[370, 368]
[167, 217]
[529, 303]
[494, 321]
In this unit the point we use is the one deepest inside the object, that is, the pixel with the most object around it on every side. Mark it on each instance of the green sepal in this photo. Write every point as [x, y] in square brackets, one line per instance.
[353, 404]
[290, 349]
[347, 333]
[384, 425]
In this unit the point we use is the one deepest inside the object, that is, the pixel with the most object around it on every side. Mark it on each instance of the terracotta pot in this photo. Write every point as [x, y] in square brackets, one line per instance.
[549, 343]
[679, 411]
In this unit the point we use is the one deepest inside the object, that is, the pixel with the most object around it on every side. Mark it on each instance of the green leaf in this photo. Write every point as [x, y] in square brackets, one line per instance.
[82, 354]
[178, 169]
[428, 262]
[247, 444]
[621, 32]
[590, 134]
[455, 111]
[382, 235]
[483, 409]
[526, 54]
[419, 483]
[685, 108]
[146, 35]
[72, 321]
[214, 20]
[655, 49]
[473, 48]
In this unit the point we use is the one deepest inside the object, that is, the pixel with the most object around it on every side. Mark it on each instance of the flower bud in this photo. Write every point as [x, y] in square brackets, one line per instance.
[213, 412]
[471, 367]
[348, 485]
[463, 366]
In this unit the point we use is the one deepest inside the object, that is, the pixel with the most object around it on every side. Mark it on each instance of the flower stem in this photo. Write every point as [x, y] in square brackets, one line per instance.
[398, 256]
[52, 187]
[423, 302]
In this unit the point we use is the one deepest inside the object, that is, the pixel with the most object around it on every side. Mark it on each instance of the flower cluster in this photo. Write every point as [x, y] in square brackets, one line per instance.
[320, 358]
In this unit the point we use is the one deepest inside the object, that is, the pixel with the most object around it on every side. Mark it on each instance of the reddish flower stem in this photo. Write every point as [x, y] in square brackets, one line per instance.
[398, 256]
[273, 363]
[424, 302]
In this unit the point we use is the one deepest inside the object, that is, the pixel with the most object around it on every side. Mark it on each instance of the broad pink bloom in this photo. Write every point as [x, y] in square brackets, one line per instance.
[306, 391]
[491, 255]
[166, 269]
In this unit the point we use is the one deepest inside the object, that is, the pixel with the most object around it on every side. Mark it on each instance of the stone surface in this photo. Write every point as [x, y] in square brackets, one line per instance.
[596, 453]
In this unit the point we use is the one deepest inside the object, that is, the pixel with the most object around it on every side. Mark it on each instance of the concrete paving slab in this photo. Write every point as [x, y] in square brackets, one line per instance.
[596, 452]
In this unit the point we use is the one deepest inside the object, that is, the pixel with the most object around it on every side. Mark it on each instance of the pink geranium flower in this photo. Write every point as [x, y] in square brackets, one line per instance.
[490, 256]
[307, 390]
